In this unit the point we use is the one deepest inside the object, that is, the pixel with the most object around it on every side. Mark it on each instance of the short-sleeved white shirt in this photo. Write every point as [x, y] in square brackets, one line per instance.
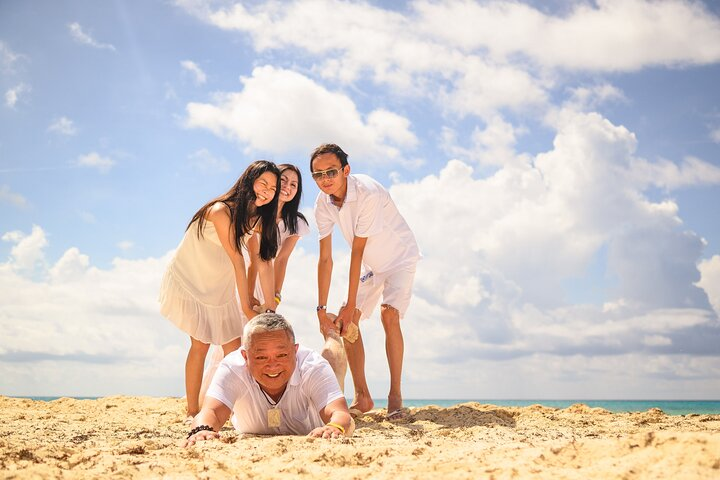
[302, 229]
[311, 387]
[284, 233]
[369, 211]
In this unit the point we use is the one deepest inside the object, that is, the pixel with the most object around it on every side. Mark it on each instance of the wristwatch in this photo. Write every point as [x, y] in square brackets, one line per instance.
[320, 307]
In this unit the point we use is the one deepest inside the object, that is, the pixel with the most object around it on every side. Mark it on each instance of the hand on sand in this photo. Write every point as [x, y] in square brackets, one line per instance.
[326, 431]
[201, 435]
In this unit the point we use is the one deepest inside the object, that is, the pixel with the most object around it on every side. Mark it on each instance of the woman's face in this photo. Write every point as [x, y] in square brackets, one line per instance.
[288, 185]
[264, 188]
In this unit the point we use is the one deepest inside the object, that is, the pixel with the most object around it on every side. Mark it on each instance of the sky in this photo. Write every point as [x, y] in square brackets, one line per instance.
[558, 162]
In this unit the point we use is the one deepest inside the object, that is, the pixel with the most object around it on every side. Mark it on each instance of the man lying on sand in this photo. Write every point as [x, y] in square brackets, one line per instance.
[273, 386]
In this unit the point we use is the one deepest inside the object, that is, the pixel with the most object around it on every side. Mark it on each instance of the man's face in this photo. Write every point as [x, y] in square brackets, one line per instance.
[271, 360]
[330, 164]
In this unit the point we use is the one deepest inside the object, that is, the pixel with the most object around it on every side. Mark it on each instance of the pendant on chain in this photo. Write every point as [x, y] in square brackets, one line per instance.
[273, 417]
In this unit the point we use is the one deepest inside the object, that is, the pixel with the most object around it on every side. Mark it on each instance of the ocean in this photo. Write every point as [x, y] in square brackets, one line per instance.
[670, 407]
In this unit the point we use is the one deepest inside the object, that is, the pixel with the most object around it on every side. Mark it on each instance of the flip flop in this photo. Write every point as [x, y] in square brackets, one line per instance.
[397, 414]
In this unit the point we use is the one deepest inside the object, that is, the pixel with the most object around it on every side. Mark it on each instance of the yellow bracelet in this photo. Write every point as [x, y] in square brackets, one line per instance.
[339, 427]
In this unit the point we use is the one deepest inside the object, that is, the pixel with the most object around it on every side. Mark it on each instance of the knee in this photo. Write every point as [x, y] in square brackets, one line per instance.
[199, 348]
[389, 315]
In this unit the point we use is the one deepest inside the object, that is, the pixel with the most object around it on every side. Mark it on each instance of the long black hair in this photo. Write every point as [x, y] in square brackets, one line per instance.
[290, 212]
[244, 215]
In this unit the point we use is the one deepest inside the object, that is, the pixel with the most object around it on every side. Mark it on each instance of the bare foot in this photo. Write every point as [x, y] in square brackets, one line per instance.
[395, 402]
[362, 402]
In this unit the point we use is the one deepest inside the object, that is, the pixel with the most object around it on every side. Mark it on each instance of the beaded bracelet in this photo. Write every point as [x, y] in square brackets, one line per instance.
[201, 428]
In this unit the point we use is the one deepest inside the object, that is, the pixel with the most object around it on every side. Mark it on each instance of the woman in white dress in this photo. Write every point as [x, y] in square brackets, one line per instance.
[291, 226]
[207, 275]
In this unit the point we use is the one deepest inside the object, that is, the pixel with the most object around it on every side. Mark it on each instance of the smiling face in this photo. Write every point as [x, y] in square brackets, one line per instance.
[288, 185]
[330, 164]
[264, 188]
[271, 359]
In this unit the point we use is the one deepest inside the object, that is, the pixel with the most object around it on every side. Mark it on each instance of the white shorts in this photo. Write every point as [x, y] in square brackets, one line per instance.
[395, 287]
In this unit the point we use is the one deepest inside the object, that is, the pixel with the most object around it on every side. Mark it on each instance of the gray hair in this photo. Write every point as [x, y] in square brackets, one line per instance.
[266, 322]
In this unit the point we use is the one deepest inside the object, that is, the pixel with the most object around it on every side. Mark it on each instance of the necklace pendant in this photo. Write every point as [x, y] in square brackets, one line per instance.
[274, 416]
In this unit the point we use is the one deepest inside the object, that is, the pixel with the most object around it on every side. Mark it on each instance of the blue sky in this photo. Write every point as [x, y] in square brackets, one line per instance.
[558, 161]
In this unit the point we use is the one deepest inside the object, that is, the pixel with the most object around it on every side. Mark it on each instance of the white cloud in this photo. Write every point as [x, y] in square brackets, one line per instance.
[476, 58]
[585, 98]
[14, 95]
[493, 145]
[84, 38]
[607, 35]
[483, 88]
[667, 174]
[206, 162]
[27, 251]
[75, 318]
[280, 111]
[8, 196]
[71, 266]
[710, 280]
[199, 76]
[95, 160]
[656, 340]
[63, 126]
[536, 223]
[8, 58]
[388, 46]
[715, 135]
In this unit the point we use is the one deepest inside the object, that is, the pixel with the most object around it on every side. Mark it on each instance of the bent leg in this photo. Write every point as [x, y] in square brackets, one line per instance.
[194, 365]
[394, 349]
[356, 360]
[231, 346]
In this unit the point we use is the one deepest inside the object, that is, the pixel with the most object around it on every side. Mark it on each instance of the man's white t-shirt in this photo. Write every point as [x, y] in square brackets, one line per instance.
[312, 386]
[369, 211]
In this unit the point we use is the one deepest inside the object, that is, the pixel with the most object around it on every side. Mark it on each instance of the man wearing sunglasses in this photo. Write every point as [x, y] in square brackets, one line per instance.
[383, 258]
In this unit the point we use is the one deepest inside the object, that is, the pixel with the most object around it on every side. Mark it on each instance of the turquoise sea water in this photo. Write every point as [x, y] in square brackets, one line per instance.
[670, 407]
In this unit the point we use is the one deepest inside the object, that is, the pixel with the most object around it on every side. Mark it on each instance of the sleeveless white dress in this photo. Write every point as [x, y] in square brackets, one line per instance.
[198, 291]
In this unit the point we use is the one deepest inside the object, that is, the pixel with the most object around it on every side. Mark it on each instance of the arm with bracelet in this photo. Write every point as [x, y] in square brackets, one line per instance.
[207, 424]
[338, 422]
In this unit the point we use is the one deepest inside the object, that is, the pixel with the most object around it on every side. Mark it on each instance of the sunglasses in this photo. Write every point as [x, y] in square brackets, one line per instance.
[332, 173]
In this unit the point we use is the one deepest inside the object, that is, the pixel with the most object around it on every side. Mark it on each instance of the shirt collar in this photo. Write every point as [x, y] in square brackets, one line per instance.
[350, 193]
[295, 378]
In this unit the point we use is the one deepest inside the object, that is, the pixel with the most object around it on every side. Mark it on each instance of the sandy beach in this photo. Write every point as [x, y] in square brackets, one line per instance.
[138, 437]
